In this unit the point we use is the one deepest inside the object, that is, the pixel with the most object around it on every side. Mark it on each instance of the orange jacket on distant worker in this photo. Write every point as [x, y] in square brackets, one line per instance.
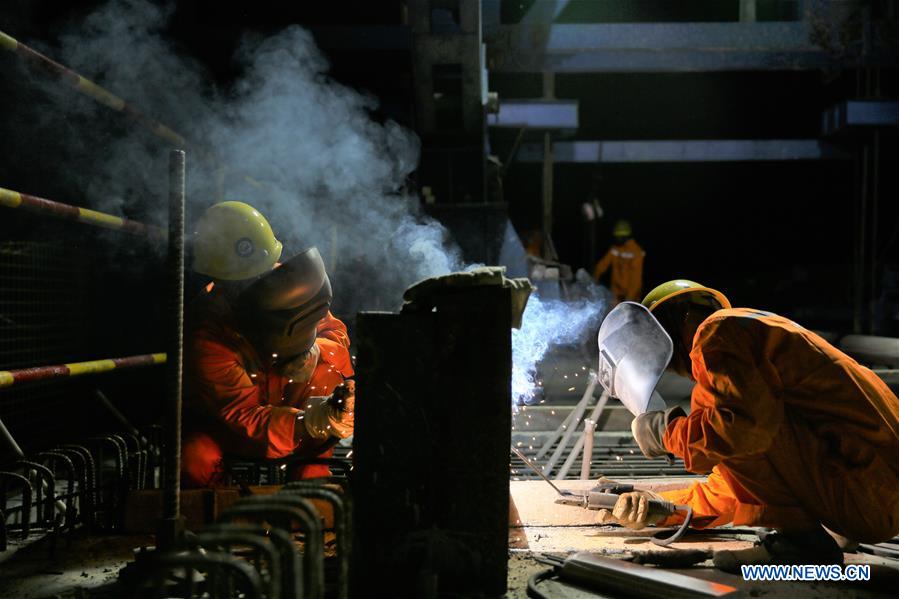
[235, 406]
[626, 262]
[794, 431]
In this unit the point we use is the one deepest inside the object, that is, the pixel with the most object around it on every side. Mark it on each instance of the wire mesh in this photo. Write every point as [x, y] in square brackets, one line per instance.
[42, 299]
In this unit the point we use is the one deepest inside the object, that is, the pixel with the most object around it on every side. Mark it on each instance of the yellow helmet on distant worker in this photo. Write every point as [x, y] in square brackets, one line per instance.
[699, 294]
[622, 229]
[234, 242]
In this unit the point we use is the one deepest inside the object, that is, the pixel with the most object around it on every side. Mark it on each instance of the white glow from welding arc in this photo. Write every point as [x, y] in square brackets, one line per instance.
[547, 323]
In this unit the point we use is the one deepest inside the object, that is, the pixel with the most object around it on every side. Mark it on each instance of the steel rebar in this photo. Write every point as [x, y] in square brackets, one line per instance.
[575, 420]
[172, 524]
[581, 440]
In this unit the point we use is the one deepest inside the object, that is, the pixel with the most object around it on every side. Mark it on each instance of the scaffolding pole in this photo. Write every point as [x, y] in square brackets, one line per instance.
[43, 206]
[8, 378]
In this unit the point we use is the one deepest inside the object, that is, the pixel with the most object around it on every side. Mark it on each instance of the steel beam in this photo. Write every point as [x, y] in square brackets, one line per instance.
[536, 114]
[860, 113]
[656, 47]
[363, 37]
[694, 150]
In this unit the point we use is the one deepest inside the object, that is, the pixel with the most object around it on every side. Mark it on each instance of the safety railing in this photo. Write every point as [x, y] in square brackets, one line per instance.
[45, 207]
[82, 483]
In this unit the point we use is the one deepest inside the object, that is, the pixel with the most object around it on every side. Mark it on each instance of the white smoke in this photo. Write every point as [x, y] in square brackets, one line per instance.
[332, 175]
[547, 323]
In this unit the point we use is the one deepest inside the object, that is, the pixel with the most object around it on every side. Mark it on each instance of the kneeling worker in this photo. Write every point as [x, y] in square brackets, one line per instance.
[796, 435]
[263, 354]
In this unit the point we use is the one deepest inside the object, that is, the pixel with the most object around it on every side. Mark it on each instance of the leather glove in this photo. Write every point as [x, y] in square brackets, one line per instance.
[649, 430]
[633, 511]
[332, 416]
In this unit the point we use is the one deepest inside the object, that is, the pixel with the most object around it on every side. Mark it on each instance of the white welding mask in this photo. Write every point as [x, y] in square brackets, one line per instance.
[634, 351]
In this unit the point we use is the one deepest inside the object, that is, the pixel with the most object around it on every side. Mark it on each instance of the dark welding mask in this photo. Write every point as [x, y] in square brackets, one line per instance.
[280, 312]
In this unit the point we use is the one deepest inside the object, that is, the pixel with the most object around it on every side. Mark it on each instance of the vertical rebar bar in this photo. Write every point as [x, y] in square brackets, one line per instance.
[172, 524]
[587, 460]
[575, 421]
[579, 443]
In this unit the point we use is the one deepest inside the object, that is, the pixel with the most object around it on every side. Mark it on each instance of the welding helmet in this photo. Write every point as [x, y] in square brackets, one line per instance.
[280, 312]
[234, 242]
[634, 351]
[688, 290]
[622, 229]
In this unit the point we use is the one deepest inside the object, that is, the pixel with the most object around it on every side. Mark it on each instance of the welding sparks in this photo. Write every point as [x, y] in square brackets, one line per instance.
[547, 323]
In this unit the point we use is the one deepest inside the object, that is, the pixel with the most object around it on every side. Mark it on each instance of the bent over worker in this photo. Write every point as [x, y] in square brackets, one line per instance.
[263, 354]
[625, 258]
[794, 434]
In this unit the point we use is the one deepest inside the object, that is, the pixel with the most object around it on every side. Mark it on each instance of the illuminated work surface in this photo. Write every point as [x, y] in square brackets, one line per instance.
[539, 525]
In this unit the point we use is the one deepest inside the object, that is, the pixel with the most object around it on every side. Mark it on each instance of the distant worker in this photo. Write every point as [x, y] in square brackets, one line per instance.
[625, 258]
[796, 435]
[534, 246]
[265, 361]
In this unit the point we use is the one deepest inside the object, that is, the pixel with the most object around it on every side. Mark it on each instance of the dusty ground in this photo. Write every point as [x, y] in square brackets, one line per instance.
[36, 570]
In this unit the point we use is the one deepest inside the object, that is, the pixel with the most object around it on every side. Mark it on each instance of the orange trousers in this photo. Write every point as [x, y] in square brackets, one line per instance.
[797, 484]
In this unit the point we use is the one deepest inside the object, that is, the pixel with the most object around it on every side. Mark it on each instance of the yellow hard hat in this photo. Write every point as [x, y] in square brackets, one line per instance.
[622, 229]
[234, 242]
[700, 294]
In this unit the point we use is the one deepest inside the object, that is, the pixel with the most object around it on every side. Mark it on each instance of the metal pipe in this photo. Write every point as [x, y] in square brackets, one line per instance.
[172, 525]
[10, 441]
[9, 378]
[560, 430]
[587, 460]
[594, 416]
[119, 417]
[45, 207]
[578, 414]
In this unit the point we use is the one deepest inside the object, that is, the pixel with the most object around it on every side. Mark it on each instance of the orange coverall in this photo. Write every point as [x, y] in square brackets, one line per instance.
[794, 431]
[235, 404]
[626, 261]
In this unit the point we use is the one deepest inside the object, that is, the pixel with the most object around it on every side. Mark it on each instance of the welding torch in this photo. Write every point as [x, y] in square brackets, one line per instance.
[605, 495]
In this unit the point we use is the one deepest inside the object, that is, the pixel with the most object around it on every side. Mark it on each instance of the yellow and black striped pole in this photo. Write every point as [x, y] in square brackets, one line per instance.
[89, 88]
[8, 378]
[30, 203]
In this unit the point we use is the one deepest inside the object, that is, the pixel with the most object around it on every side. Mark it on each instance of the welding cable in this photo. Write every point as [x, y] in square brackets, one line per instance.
[533, 581]
[663, 541]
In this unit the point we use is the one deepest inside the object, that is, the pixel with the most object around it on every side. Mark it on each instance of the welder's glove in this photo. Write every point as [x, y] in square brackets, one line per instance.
[332, 416]
[633, 511]
[649, 430]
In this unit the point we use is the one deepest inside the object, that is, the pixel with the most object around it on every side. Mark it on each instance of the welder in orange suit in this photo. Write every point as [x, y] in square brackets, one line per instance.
[796, 435]
[625, 258]
[263, 353]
